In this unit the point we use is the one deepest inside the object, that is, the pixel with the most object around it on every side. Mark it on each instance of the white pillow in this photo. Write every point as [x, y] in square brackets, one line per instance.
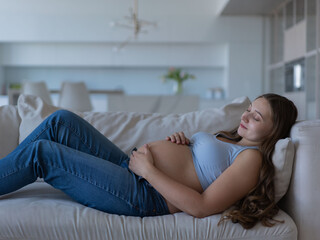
[129, 129]
[9, 129]
[32, 110]
[282, 159]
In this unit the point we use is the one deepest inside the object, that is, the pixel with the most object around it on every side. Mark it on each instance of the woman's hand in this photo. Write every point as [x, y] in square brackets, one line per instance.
[141, 161]
[178, 138]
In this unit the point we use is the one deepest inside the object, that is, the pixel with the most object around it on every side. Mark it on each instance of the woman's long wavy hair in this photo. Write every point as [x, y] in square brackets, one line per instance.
[259, 204]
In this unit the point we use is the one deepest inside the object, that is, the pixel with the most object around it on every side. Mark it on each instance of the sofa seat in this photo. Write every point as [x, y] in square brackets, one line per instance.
[38, 211]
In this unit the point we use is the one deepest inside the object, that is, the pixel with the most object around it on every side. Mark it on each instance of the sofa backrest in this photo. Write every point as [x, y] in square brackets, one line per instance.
[133, 129]
[303, 197]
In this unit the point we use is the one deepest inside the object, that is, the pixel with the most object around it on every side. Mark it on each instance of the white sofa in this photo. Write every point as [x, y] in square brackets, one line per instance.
[39, 211]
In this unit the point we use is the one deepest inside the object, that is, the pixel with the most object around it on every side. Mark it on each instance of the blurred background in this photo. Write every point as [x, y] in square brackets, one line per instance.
[118, 52]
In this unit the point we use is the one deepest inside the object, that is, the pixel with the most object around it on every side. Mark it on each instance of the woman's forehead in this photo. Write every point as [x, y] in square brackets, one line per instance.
[262, 106]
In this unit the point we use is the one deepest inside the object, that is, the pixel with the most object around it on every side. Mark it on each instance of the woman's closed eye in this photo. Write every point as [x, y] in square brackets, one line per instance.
[256, 116]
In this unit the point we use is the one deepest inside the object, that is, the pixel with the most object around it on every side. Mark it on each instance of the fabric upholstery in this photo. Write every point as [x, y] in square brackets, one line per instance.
[303, 197]
[9, 129]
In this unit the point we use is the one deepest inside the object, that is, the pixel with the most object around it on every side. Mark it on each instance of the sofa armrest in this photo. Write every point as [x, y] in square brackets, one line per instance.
[303, 197]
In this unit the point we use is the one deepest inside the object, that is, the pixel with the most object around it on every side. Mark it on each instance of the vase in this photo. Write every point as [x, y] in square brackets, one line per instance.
[177, 88]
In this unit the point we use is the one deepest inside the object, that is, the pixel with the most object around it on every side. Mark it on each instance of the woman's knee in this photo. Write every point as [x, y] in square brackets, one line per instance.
[45, 150]
[62, 114]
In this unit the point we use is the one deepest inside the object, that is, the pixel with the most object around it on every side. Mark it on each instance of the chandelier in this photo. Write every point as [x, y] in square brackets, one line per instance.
[133, 23]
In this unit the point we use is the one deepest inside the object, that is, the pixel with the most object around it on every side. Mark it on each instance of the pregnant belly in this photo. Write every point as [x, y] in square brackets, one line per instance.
[176, 162]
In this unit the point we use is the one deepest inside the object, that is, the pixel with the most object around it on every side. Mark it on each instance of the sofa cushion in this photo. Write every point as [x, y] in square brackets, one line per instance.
[38, 211]
[130, 129]
[9, 129]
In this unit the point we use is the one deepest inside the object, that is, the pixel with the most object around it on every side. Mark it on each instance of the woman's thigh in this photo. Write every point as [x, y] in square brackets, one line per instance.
[90, 180]
[97, 183]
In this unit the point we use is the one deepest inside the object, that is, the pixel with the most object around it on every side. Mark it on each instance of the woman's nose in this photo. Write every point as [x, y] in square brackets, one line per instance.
[245, 117]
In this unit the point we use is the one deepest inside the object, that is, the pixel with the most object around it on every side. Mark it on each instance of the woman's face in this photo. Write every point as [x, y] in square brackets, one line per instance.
[256, 123]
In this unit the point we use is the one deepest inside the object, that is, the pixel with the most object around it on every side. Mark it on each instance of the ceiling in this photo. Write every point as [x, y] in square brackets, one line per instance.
[250, 7]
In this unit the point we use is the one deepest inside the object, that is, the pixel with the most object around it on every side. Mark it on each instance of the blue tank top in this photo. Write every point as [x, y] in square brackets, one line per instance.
[212, 156]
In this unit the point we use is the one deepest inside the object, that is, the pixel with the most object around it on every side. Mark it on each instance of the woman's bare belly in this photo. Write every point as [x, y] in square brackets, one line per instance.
[175, 161]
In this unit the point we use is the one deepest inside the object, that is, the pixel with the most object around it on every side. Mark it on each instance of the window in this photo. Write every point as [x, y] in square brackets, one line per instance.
[294, 76]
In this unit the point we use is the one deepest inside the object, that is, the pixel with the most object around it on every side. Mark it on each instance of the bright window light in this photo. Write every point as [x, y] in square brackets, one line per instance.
[297, 70]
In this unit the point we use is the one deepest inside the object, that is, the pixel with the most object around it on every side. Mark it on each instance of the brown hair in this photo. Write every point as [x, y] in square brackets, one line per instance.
[259, 204]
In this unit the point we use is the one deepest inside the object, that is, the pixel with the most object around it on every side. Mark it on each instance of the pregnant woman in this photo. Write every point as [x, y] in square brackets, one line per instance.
[201, 176]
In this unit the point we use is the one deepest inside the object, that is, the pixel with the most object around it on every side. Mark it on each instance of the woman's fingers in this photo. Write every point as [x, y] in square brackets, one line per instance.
[181, 137]
[178, 137]
[174, 137]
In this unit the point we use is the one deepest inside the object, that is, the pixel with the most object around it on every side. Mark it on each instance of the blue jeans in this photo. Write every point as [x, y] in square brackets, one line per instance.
[71, 155]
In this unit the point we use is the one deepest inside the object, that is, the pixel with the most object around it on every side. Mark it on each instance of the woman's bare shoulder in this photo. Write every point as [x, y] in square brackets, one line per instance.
[250, 156]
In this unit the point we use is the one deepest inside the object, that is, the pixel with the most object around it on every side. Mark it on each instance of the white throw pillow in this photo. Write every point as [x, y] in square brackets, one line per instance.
[130, 129]
[282, 159]
[32, 110]
[9, 129]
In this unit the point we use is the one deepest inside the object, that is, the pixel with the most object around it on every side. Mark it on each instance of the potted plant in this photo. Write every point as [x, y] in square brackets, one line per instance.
[177, 75]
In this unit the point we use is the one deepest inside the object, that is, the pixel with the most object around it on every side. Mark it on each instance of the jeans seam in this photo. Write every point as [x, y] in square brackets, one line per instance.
[77, 134]
[13, 172]
[35, 138]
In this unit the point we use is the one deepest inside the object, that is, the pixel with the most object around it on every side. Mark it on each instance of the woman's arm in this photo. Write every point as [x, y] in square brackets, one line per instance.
[230, 187]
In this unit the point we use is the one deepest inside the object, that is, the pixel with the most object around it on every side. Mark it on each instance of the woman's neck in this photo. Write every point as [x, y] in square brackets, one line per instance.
[246, 142]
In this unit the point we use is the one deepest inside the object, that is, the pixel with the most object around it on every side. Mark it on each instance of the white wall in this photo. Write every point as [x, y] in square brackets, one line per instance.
[246, 61]
[2, 90]
[101, 54]
[85, 20]
[245, 73]
[72, 40]
[2, 79]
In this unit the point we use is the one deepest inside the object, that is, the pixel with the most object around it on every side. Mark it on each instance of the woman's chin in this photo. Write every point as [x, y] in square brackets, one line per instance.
[240, 131]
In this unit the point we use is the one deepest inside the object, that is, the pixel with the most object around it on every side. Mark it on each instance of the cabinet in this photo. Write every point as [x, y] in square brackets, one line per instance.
[297, 34]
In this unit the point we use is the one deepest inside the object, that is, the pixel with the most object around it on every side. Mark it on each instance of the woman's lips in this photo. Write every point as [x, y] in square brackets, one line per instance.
[242, 126]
